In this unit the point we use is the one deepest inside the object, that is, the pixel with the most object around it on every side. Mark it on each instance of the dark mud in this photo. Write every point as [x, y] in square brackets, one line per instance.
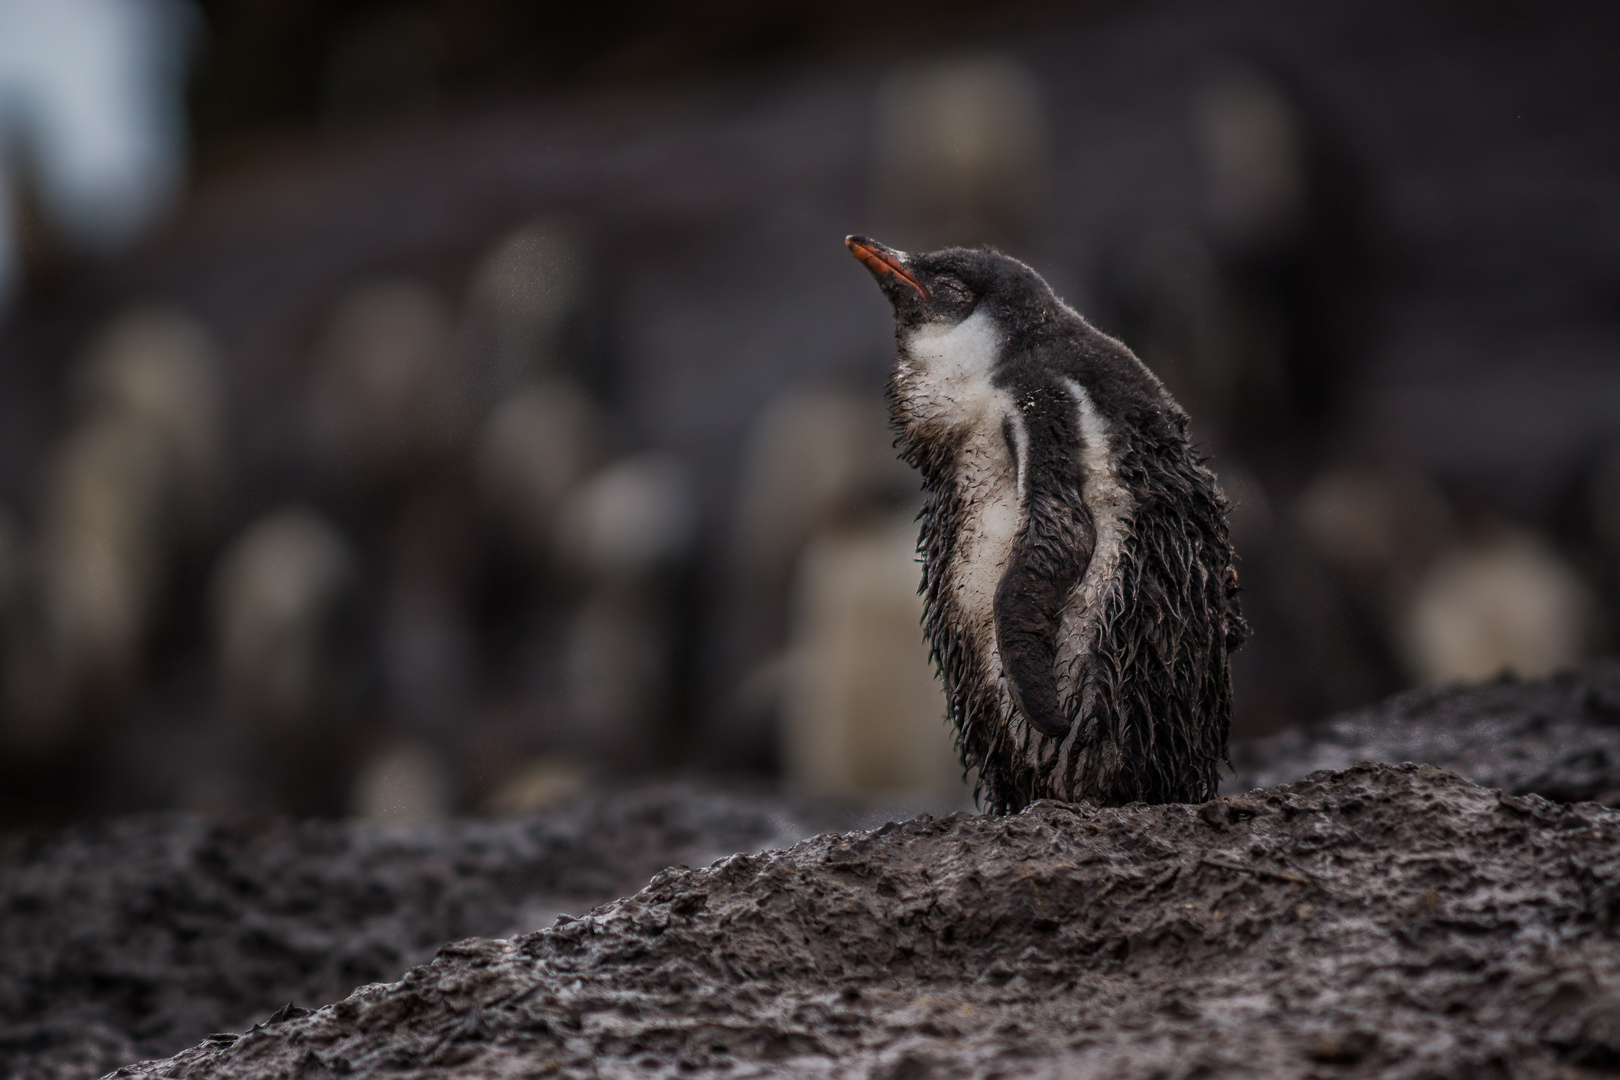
[1559, 737]
[1388, 920]
[1385, 920]
[139, 936]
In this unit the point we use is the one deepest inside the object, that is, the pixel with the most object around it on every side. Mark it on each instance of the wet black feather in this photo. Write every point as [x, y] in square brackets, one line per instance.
[1146, 705]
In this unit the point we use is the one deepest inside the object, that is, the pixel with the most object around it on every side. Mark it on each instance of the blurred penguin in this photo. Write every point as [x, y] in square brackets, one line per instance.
[533, 325]
[1588, 527]
[537, 445]
[1257, 319]
[863, 713]
[626, 535]
[1324, 577]
[1378, 528]
[534, 313]
[28, 729]
[527, 288]
[814, 458]
[1499, 601]
[534, 451]
[159, 367]
[427, 647]
[1603, 502]
[1161, 292]
[133, 488]
[1288, 226]
[387, 404]
[102, 543]
[13, 566]
[403, 782]
[962, 152]
[1603, 511]
[287, 616]
[391, 421]
[824, 581]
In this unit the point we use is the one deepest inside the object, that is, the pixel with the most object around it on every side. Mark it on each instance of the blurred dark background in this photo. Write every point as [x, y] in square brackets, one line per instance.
[427, 408]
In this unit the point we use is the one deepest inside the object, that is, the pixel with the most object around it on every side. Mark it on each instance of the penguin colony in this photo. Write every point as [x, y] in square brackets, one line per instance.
[1080, 593]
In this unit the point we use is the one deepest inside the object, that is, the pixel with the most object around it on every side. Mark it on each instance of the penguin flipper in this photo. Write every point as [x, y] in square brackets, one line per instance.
[1048, 559]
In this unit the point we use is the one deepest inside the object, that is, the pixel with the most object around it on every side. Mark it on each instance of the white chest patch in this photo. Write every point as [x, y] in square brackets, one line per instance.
[945, 376]
[944, 381]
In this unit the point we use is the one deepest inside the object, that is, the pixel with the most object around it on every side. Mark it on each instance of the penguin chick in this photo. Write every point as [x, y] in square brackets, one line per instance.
[1079, 590]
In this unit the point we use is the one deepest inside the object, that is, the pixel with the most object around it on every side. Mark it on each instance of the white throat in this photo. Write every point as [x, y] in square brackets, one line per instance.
[944, 377]
[945, 372]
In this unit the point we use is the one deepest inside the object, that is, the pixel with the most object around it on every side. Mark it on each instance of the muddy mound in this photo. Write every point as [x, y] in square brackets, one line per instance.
[1395, 920]
[1557, 737]
[138, 936]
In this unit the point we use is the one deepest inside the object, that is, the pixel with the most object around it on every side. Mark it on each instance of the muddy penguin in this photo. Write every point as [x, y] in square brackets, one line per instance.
[1080, 593]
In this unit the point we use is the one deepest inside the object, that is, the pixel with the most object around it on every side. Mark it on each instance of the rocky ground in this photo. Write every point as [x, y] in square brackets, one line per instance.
[1396, 920]
[136, 937]
[1559, 737]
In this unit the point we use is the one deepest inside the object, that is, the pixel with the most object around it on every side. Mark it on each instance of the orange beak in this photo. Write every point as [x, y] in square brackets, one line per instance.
[881, 261]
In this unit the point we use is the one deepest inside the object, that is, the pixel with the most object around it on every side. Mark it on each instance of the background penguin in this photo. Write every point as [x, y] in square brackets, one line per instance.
[1079, 585]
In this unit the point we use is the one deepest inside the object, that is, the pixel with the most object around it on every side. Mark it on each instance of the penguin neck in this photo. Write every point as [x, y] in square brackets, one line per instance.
[944, 377]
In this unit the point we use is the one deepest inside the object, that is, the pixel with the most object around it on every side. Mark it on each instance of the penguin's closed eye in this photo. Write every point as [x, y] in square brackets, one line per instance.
[952, 297]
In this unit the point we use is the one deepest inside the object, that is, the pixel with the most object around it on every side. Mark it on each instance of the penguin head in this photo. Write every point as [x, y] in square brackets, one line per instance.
[968, 323]
[940, 289]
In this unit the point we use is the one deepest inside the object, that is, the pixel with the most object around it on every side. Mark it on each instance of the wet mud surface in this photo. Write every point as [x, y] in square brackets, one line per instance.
[1389, 920]
[136, 937]
[1558, 737]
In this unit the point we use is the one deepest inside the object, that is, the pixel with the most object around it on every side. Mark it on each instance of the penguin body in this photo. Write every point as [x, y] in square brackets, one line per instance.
[1079, 587]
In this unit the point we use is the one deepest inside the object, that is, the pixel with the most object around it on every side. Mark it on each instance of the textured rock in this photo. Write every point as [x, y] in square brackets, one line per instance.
[1557, 737]
[1385, 920]
[137, 937]
[1388, 920]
